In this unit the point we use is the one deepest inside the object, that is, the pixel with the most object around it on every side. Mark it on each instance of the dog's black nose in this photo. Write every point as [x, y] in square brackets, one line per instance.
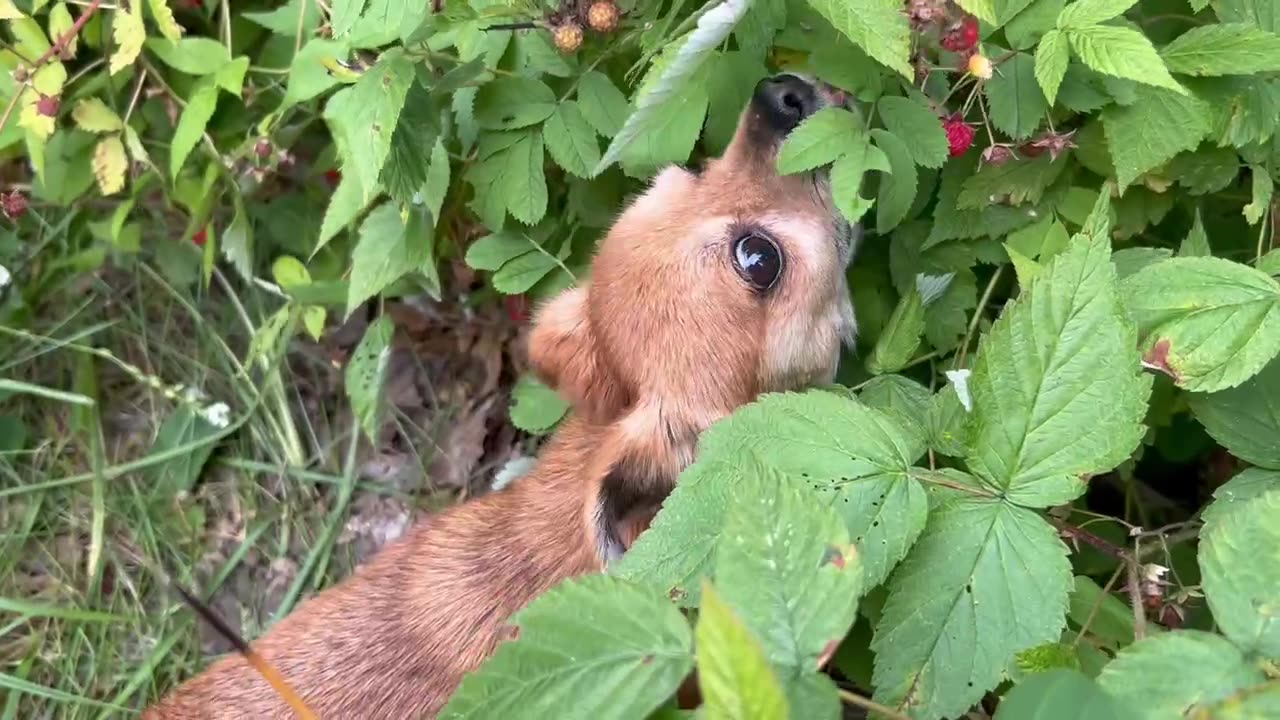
[786, 100]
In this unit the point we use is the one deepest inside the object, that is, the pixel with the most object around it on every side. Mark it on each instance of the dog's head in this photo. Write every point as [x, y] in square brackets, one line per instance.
[710, 288]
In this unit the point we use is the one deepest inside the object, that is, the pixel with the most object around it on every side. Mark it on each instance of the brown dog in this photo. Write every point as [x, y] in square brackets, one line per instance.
[710, 288]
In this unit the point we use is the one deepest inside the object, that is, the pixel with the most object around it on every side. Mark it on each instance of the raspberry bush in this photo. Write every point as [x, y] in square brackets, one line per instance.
[1047, 484]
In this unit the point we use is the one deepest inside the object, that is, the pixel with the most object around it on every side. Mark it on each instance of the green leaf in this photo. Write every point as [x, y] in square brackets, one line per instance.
[735, 678]
[1263, 188]
[93, 115]
[602, 103]
[1196, 243]
[1236, 494]
[1043, 240]
[677, 550]
[192, 123]
[901, 335]
[523, 272]
[343, 15]
[908, 118]
[180, 474]
[308, 77]
[1165, 675]
[405, 170]
[345, 205]
[1121, 52]
[192, 55]
[819, 140]
[1051, 63]
[1016, 182]
[653, 109]
[906, 400]
[1060, 694]
[1017, 104]
[1084, 13]
[605, 647]
[366, 374]
[1260, 13]
[383, 254]
[847, 176]
[985, 581]
[1239, 560]
[363, 118]
[437, 185]
[571, 140]
[1032, 24]
[877, 26]
[1057, 391]
[493, 251]
[1130, 260]
[536, 408]
[509, 103]
[862, 456]
[1229, 49]
[1209, 323]
[1245, 419]
[514, 176]
[110, 164]
[1109, 619]
[786, 565]
[288, 271]
[1144, 135]
[897, 191]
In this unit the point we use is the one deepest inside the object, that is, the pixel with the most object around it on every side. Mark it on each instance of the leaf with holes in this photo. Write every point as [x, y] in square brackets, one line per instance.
[607, 648]
[1209, 323]
[366, 374]
[985, 581]
[786, 565]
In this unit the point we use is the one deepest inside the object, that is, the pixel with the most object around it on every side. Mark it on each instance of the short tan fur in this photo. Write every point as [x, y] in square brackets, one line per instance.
[674, 329]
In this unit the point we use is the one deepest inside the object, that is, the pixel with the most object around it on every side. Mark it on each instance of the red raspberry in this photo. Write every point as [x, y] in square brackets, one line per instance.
[13, 204]
[201, 237]
[48, 105]
[333, 177]
[962, 37]
[959, 134]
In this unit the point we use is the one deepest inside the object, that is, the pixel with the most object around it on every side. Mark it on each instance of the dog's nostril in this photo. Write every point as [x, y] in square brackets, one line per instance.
[792, 102]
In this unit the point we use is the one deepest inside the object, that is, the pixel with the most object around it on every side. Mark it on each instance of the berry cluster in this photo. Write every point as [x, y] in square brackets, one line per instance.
[567, 23]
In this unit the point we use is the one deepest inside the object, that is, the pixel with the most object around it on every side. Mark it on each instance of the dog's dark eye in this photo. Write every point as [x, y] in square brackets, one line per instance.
[757, 260]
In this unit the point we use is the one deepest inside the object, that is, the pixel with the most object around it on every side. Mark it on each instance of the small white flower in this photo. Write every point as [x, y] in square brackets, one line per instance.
[192, 394]
[960, 381]
[217, 415]
[4, 276]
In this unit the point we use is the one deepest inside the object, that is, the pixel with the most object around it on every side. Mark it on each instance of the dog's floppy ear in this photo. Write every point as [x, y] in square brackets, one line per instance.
[566, 355]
